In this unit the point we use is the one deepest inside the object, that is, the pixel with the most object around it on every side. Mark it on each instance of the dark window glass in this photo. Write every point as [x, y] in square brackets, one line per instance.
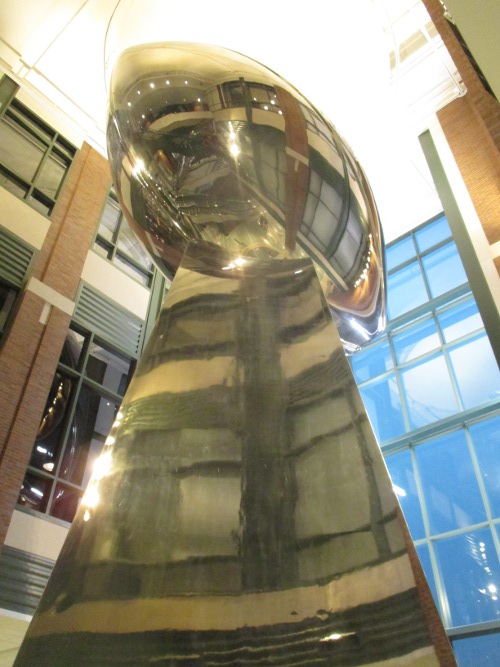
[65, 502]
[449, 483]
[81, 408]
[8, 296]
[471, 576]
[35, 492]
[108, 368]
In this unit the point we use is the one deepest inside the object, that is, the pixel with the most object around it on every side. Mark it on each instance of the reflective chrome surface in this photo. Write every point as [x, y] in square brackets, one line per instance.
[207, 144]
[240, 512]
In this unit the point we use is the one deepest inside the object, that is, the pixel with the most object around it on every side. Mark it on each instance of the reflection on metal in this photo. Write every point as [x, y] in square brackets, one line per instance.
[206, 144]
[241, 512]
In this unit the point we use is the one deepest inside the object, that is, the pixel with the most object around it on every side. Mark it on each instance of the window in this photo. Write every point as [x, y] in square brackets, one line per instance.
[84, 399]
[117, 242]
[431, 387]
[8, 296]
[34, 158]
[435, 360]
[15, 260]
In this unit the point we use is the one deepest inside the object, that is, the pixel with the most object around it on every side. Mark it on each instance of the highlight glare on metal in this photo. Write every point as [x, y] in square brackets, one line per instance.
[208, 145]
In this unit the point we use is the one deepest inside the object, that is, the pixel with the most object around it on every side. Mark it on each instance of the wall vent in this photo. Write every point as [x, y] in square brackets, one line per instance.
[15, 258]
[23, 577]
[108, 320]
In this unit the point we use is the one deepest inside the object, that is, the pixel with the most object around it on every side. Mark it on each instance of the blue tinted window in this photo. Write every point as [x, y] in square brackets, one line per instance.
[405, 290]
[450, 487]
[476, 371]
[486, 438]
[428, 392]
[383, 404]
[460, 320]
[431, 234]
[482, 650]
[372, 361]
[425, 561]
[422, 337]
[403, 479]
[471, 576]
[444, 270]
[399, 252]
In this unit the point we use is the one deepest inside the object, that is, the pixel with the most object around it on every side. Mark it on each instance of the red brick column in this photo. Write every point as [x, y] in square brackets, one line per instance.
[472, 128]
[29, 356]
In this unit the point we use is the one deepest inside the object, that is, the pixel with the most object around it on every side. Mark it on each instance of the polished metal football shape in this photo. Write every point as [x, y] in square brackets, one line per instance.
[206, 145]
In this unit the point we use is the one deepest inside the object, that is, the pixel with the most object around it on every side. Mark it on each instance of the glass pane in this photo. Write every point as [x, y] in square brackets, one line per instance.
[449, 483]
[109, 219]
[72, 350]
[415, 341]
[444, 270]
[403, 479]
[471, 576]
[8, 297]
[399, 252]
[405, 290]
[460, 320]
[428, 392]
[482, 650]
[40, 203]
[132, 270]
[129, 244]
[51, 430]
[108, 368]
[92, 421]
[372, 361]
[486, 439]
[65, 502]
[476, 372]
[34, 493]
[51, 175]
[19, 151]
[102, 248]
[383, 404]
[13, 185]
[425, 562]
[433, 233]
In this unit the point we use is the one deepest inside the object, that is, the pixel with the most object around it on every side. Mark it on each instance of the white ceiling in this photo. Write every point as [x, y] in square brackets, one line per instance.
[336, 53]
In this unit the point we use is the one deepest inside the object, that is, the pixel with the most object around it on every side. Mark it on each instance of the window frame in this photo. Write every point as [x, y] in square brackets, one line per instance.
[20, 119]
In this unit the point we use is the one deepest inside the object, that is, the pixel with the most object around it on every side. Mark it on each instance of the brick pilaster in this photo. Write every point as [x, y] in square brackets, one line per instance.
[29, 356]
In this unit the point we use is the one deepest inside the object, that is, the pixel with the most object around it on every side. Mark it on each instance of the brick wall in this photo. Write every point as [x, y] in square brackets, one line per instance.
[472, 128]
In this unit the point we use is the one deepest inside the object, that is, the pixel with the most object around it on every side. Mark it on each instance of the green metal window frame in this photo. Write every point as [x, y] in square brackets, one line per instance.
[143, 270]
[80, 379]
[29, 127]
[462, 420]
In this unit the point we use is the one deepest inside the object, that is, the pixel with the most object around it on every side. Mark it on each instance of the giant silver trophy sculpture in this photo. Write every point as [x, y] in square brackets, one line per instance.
[240, 513]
